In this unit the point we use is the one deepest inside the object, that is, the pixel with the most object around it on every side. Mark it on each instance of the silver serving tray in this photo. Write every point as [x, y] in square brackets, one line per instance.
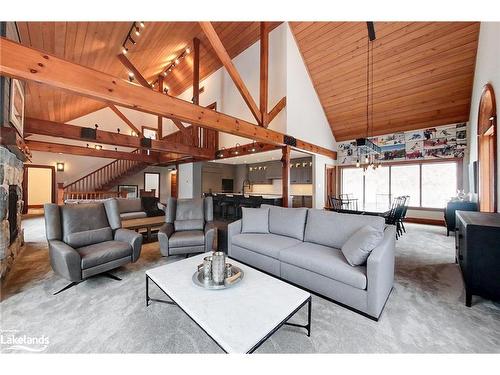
[199, 280]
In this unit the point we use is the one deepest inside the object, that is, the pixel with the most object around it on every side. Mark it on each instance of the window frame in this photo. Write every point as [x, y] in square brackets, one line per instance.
[458, 163]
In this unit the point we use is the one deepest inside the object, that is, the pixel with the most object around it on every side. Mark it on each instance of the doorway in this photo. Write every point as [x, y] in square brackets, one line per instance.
[487, 150]
[39, 186]
[173, 184]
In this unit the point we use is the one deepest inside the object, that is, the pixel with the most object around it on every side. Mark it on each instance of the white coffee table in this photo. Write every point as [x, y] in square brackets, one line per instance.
[238, 319]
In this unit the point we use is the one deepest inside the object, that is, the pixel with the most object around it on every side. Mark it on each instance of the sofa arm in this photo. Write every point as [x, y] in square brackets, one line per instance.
[65, 260]
[232, 230]
[131, 237]
[380, 272]
[164, 233]
[210, 236]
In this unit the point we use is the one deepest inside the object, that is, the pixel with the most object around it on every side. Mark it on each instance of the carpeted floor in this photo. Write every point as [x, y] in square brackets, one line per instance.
[424, 313]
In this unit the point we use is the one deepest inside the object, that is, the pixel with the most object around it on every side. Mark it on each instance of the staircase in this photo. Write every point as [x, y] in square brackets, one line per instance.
[104, 178]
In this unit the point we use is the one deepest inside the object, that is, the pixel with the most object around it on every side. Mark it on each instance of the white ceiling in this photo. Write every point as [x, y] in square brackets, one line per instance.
[260, 157]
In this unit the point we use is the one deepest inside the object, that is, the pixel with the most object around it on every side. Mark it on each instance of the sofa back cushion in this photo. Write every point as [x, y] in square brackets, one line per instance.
[129, 205]
[334, 229]
[192, 224]
[255, 220]
[288, 222]
[79, 218]
[189, 209]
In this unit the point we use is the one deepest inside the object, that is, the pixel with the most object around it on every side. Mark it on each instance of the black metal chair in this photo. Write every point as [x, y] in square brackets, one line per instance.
[336, 204]
[395, 214]
[405, 209]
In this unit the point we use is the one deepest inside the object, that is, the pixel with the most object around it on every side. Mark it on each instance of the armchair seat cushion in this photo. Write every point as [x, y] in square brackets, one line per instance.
[103, 252]
[325, 261]
[187, 238]
[265, 244]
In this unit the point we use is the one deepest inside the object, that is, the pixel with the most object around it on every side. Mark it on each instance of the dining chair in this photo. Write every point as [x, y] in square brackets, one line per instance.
[336, 203]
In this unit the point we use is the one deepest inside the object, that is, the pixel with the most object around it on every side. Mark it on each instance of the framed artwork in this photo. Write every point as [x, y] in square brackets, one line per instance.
[16, 109]
[131, 190]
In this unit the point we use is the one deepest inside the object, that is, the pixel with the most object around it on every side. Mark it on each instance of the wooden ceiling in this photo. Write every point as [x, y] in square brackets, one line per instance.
[97, 44]
[422, 73]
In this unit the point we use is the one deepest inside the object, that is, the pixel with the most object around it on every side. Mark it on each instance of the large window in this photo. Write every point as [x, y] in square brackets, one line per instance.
[429, 184]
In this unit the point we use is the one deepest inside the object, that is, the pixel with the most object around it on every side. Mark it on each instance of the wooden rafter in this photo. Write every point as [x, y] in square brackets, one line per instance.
[55, 129]
[276, 109]
[264, 71]
[196, 83]
[125, 119]
[181, 127]
[131, 68]
[224, 57]
[26, 63]
[84, 151]
[246, 149]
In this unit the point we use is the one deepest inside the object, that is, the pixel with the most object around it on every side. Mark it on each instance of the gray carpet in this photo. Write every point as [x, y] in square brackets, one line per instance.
[424, 313]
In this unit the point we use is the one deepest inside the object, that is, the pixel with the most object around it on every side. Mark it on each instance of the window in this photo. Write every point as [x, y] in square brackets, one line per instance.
[377, 195]
[405, 180]
[152, 182]
[429, 184]
[352, 183]
[439, 183]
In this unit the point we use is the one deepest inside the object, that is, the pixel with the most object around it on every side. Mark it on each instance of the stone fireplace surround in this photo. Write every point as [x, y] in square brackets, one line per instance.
[11, 177]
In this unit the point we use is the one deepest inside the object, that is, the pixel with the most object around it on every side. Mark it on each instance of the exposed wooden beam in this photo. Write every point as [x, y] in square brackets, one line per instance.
[196, 84]
[131, 68]
[276, 109]
[125, 119]
[246, 149]
[26, 63]
[264, 71]
[55, 129]
[285, 176]
[84, 151]
[181, 127]
[160, 119]
[224, 57]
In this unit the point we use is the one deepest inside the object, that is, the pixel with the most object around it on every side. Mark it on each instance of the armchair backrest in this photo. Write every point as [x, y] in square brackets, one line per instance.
[82, 224]
[189, 214]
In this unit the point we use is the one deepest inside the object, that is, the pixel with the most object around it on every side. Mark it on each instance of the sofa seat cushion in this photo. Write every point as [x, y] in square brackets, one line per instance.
[187, 238]
[103, 252]
[133, 215]
[325, 261]
[265, 244]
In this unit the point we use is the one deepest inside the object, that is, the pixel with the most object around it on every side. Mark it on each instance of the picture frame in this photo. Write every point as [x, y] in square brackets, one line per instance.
[132, 190]
[16, 106]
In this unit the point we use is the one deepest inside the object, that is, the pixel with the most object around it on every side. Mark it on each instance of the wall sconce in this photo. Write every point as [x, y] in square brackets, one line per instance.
[236, 152]
[60, 167]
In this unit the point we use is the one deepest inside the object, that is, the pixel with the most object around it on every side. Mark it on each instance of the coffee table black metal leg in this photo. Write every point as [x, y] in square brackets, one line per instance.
[148, 299]
[147, 291]
[308, 325]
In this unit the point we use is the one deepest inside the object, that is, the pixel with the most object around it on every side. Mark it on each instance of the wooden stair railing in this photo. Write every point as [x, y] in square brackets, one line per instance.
[104, 178]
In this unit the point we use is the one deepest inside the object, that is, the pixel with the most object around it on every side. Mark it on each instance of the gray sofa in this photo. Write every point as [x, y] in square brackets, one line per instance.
[303, 247]
[188, 227]
[87, 239]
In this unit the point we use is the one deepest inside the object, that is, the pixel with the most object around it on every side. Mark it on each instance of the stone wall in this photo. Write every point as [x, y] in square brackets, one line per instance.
[11, 173]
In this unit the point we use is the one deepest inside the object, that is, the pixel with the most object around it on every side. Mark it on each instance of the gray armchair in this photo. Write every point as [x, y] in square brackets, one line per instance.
[87, 239]
[188, 227]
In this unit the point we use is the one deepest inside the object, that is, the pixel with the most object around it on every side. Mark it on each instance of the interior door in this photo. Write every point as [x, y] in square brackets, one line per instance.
[39, 186]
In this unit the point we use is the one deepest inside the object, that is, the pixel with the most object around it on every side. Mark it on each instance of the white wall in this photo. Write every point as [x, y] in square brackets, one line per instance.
[487, 71]
[305, 117]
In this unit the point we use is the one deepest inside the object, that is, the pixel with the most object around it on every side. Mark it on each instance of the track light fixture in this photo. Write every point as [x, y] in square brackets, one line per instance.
[131, 76]
[98, 147]
[136, 30]
[172, 64]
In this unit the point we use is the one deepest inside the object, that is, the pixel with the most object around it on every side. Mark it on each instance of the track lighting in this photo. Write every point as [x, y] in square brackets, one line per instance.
[137, 31]
[366, 159]
[176, 61]
[188, 50]
[130, 76]
[142, 24]
[124, 50]
[98, 147]
[357, 163]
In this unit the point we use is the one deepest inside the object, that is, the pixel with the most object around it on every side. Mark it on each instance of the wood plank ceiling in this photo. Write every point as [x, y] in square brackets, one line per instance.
[97, 44]
[422, 73]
